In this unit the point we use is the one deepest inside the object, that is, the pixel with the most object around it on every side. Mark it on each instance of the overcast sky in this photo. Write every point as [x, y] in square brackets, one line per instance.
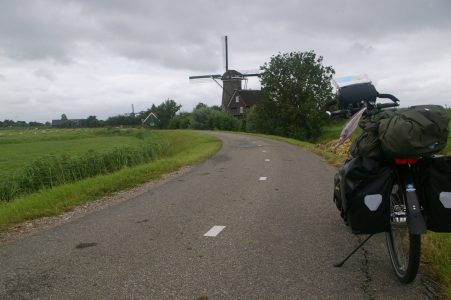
[98, 57]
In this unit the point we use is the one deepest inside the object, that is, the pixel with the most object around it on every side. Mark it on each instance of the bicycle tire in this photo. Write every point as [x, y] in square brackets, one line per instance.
[405, 274]
[405, 262]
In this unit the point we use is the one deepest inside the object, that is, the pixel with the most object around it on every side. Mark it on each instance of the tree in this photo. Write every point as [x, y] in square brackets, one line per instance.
[63, 117]
[297, 86]
[200, 105]
[35, 124]
[8, 123]
[165, 112]
[216, 107]
[92, 122]
[119, 120]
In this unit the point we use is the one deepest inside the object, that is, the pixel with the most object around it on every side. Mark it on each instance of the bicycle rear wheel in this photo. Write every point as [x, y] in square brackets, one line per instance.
[404, 248]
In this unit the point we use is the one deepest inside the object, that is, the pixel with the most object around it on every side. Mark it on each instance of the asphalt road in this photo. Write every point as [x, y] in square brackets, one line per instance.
[280, 240]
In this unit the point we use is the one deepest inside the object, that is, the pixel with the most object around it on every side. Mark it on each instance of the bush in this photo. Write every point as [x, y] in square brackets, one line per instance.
[211, 119]
[181, 121]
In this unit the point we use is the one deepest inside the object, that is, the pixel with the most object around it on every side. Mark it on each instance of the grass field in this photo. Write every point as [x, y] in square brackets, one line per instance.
[139, 155]
[20, 147]
[35, 159]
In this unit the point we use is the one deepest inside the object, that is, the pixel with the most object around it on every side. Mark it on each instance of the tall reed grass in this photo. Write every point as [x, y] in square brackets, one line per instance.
[51, 171]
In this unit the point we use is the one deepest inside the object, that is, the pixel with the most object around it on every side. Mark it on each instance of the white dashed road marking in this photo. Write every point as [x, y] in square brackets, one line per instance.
[264, 151]
[263, 178]
[267, 160]
[214, 231]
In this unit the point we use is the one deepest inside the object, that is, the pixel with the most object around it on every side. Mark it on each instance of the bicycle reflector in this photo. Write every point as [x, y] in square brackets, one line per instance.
[406, 161]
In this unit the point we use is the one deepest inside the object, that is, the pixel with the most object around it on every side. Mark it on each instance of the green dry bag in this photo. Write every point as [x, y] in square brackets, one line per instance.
[415, 131]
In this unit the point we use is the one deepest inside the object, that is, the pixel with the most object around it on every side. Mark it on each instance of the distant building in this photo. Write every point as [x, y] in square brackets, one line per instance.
[73, 122]
[242, 100]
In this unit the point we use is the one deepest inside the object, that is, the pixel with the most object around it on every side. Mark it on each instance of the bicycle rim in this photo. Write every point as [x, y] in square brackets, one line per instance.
[404, 248]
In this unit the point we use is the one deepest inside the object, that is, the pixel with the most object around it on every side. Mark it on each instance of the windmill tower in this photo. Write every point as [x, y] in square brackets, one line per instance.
[231, 81]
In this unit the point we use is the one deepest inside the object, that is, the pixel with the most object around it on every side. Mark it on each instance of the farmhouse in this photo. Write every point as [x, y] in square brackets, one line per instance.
[242, 100]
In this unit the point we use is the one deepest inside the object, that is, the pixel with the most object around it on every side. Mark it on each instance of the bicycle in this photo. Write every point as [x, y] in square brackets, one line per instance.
[406, 222]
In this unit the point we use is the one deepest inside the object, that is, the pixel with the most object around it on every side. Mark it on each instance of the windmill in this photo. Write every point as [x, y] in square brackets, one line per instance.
[231, 86]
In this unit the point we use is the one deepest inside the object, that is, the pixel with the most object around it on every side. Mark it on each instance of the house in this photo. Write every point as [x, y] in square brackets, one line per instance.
[242, 100]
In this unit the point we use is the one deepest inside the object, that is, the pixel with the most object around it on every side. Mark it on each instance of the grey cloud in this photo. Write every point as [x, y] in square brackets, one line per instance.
[360, 19]
[17, 100]
[174, 33]
[2, 77]
[33, 30]
[361, 48]
[45, 73]
[153, 40]
[45, 100]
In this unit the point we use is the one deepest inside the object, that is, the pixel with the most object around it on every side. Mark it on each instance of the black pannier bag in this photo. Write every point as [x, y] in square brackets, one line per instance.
[435, 183]
[366, 185]
[337, 189]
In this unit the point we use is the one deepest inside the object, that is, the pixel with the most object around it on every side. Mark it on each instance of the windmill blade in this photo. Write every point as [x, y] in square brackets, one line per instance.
[225, 53]
[206, 76]
[250, 73]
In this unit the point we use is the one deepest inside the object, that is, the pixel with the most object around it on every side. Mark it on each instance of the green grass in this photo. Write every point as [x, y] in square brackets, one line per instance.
[436, 257]
[33, 162]
[332, 131]
[186, 148]
[19, 148]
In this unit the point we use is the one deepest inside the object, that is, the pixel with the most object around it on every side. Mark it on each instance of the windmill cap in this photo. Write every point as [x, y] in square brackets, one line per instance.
[232, 74]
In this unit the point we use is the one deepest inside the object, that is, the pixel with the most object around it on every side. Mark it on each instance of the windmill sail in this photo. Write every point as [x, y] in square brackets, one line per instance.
[206, 76]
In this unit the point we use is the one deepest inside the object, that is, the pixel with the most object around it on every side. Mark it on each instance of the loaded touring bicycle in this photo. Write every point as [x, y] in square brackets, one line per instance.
[394, 181]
